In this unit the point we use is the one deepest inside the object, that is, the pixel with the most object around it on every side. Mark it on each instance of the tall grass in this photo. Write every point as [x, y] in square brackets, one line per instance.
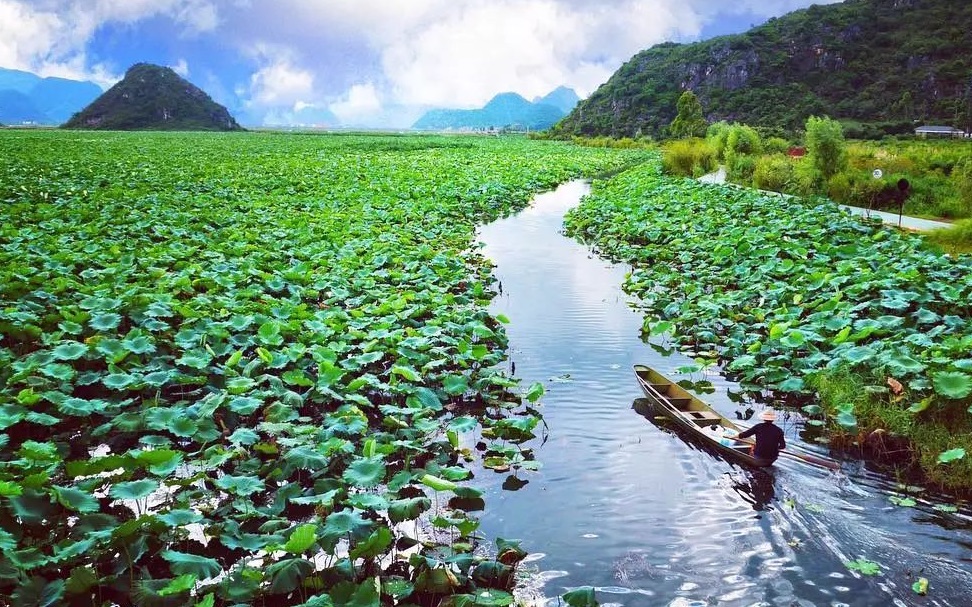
[689, 158]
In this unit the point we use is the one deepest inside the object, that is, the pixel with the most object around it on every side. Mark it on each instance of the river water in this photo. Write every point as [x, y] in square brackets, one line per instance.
[626, 506]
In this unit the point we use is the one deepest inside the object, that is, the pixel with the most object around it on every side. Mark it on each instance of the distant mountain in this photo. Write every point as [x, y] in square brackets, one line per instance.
[60, 98]
[152, 97]
[26, 97]
[17, 80]
[18, 108]
[883, 64]
[562, 98]
[506, 110]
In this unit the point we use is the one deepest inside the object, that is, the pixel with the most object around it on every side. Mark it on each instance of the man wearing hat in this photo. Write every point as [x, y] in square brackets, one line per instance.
[769, 439]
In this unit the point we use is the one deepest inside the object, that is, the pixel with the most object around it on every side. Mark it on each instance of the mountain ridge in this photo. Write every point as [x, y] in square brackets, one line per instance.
[28, 98]
[883, 63]
[504, 110]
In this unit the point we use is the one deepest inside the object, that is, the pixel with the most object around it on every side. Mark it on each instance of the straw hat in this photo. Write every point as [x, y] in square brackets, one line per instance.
[768, 415]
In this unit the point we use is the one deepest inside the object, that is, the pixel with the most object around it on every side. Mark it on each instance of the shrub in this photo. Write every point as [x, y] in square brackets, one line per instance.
[740, 169]
[825, 146]
[773, 172]
[839, 186]
[934, 195]
[743, 139]
[776, 145]
[866, 191]
[962, 178]
[716, 135]
[688, 158]
[959, 234]
[806, 179]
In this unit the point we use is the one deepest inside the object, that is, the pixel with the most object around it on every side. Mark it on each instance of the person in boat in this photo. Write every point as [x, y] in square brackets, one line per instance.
[769, 439]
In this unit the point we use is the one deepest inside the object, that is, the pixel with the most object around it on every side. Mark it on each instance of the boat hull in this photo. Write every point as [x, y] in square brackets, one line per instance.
[694, 416]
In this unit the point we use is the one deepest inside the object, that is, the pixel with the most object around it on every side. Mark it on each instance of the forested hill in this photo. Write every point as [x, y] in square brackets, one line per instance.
[884, 63]
[151, 97]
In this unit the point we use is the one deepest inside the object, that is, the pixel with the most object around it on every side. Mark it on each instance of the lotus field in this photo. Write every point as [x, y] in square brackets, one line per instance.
[784, 292]
[259, 368]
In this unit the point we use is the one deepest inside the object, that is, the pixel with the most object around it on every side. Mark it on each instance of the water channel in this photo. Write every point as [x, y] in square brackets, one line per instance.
[624, 505]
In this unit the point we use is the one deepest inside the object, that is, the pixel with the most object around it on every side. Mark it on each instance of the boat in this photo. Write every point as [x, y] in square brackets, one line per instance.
[693, 415]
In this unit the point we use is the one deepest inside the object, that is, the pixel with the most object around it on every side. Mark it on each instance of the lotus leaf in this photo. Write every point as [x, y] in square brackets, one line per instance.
[365, 472]
[951, 455]
[70, 351]
[182, 563]
[302, 538]
[183, 583]
[265, 272]
[240, 485]
[365, 594]
[38, 592]
[864, 566]
[952, 384]
[580, 597]
[134, 490]
[74, 499]
[105, 322]
[408, 509]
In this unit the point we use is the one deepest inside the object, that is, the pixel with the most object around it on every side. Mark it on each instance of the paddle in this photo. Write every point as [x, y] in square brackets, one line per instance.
[817, 461]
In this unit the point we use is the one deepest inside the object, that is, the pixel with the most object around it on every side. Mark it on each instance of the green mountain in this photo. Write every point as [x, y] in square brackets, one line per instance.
[886, 63]
[506, 110]
[26, 97]
[151, 97]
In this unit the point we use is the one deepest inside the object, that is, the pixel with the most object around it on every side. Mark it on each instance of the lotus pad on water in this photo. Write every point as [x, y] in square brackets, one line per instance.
[228, 361]
[780, 289]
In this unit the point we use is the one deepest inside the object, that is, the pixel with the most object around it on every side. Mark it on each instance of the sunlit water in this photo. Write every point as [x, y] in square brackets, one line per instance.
[635, 511]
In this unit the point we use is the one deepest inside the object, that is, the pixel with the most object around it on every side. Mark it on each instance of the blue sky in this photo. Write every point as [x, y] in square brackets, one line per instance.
[369, 62]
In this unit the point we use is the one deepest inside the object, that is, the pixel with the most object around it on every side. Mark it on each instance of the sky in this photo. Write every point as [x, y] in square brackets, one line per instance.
[367, 63]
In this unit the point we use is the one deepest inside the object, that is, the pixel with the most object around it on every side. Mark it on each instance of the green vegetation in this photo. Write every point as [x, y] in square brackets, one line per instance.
[690, 122]
[805, 292]
[689, 158]
[954, 240]
[826, 149]
[151, 97]
[938, 174]
[236, 368]
[881, 67]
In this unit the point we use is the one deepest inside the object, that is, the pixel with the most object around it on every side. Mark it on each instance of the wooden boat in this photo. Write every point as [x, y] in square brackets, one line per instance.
[693, 415]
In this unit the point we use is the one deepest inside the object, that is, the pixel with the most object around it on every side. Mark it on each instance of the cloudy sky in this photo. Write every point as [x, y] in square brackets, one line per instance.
[367, 62]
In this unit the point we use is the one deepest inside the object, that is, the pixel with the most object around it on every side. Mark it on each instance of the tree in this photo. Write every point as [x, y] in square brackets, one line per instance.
[825, 146]
[689, 122]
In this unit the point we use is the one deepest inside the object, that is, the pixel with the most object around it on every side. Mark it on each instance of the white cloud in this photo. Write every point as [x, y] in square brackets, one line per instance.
[181, 67]
[50, 37]
[279, 82]
[360, 56]
[479, 47]
[361, 101]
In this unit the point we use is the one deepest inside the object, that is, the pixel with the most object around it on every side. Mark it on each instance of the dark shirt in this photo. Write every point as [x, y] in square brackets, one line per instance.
[769, 440]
